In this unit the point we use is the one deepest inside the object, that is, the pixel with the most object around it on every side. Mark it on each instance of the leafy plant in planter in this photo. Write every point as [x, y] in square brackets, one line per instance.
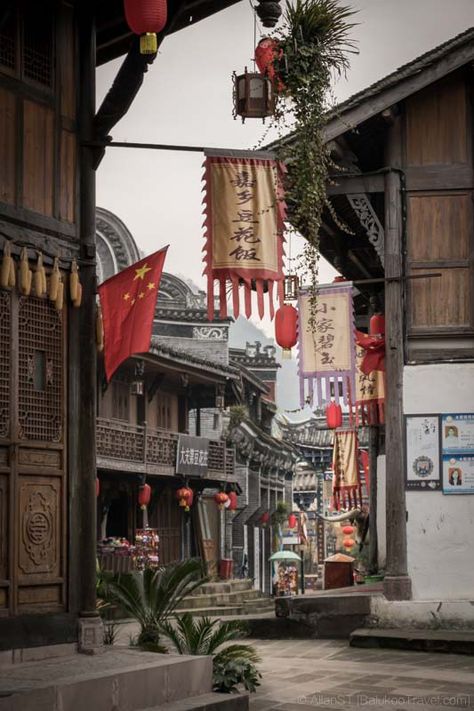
[233, 664]
[279, 516]
[312, 45]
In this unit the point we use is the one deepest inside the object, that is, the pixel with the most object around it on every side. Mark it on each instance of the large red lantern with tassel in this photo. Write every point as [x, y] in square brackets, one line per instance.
[292, 521]
[233, 501]
[377, 325]
[146, 18]
[185, 497]
[221, 499]
[144, 495]
[286, 328]
[333, 416]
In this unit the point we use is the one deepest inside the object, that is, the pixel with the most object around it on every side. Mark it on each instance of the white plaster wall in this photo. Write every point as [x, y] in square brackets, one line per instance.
[381, 513]
[440, 529]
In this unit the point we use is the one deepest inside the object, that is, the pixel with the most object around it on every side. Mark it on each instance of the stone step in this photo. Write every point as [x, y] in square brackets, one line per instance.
[224, 586]
[208, 702]
[214, 599]
[255, 608]
[440, 640]
[122, 679]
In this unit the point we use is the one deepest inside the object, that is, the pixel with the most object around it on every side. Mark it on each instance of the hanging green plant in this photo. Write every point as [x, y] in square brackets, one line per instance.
[312, 46]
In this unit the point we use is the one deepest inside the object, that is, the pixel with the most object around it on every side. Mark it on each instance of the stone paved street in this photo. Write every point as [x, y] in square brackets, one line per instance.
[309, 674]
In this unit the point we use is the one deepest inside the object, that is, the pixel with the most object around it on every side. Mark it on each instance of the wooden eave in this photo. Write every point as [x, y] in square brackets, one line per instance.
[113, 35]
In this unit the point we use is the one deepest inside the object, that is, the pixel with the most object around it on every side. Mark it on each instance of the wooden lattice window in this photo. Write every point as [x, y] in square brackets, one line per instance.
[27, 42]
[8, 40]
[40, 371]
[5, 328]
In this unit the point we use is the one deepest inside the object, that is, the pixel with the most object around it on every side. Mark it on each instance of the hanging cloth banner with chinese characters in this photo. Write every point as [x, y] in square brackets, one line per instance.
[370, 390]
[244, 221]
[346, 484]
[327, 351]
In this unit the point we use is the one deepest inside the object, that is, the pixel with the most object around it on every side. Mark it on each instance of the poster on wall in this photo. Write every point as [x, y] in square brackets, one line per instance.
[457, 447]
[422, 447]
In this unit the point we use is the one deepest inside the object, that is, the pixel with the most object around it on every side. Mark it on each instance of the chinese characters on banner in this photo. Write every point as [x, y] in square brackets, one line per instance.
[244, 223]
[369, 393]
[346, 485]
[192, 456]
[327, 352]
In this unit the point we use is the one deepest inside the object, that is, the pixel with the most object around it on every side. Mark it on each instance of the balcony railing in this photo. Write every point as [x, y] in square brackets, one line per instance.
[144, 449]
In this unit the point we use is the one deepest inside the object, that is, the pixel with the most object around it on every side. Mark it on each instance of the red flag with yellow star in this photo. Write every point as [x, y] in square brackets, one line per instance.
[128, 302]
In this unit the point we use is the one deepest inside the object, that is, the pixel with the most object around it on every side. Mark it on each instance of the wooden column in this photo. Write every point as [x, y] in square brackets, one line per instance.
[90, 626]
[397, 584]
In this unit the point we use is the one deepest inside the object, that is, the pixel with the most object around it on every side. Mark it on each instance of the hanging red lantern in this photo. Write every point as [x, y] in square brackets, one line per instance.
[221, 499]
[97, 486]
[348, 543]
[233, 501]
[292, 521]
[286, 328]
[185, 497]
[265, 518]
[377, 325]
[333, 416]
[348, 530]
[144, 496]
[267, 52]
[146, 18]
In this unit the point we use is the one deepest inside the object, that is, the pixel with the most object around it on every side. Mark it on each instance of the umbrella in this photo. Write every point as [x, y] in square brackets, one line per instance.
[285, 555]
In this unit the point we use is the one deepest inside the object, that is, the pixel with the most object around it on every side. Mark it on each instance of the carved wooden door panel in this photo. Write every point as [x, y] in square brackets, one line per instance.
[32, 455]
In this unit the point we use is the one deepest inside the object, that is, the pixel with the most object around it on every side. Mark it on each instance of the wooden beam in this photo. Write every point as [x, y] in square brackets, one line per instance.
[457, 176]
[353, 184]
[397, 584]
[351, 117]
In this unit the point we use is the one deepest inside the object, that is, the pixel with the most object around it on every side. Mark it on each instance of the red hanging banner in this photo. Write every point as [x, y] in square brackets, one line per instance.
[244, 221]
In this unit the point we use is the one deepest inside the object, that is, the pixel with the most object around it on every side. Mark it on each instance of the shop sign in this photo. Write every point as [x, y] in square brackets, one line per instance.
[192, 456]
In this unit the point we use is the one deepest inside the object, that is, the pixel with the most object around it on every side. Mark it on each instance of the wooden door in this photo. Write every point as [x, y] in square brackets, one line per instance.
[166, 516]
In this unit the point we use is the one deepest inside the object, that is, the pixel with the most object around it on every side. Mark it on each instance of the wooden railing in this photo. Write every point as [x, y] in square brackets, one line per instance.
[142, 448]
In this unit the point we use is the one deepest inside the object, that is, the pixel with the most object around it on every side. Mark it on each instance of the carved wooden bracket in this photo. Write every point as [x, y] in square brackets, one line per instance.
[362, 206]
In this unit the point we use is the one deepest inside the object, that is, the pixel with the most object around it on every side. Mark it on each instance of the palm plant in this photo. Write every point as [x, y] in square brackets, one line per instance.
[232, 663]
[152, 596]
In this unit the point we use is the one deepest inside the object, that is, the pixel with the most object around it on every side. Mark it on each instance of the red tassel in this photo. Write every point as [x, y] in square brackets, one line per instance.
[261, 307]
[270, 299]
[248, 299]
[235, 295]
[210, 298]
[222, 298]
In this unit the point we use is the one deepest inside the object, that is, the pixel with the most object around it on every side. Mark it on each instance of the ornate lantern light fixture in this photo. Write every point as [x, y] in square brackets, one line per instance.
[253, 95]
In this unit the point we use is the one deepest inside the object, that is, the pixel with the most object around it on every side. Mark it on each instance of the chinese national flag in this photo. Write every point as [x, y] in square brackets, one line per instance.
[128, 302]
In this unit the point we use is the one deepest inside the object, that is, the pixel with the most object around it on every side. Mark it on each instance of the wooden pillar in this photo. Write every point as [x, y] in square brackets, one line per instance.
[373, 539]
[397, 584]
[90, 624]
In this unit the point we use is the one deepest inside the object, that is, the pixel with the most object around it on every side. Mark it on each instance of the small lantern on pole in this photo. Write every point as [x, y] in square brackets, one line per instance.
[253, 96]
[286, 328]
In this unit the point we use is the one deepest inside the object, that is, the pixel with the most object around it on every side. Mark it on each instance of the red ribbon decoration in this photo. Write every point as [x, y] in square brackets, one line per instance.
[374, 358]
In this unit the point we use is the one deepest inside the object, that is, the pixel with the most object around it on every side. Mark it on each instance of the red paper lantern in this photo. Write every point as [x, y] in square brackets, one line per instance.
[292, 520]
[377, 325]
[266, 52]
[221, 499]
[144, 495]
[97, 486]
[233, 501]
[265, 518]
[185, 497]
[348, 543]
[146, 18]
[286, 328]
[348, 530]
[333, 416]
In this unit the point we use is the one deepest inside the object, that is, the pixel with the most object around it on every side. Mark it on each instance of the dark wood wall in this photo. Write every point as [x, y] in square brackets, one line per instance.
[438, 162]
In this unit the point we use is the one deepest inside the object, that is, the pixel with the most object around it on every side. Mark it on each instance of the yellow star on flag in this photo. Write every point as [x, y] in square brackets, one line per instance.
[150, 285]
[141, 295]
[140, 273]
[126, 296]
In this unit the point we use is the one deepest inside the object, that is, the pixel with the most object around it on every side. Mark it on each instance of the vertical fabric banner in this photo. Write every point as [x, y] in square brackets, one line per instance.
[346, 485]
[244, 222]
[326, 351]
[369, 391]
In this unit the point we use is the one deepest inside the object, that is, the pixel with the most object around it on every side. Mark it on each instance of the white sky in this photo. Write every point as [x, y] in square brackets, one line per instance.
[187, 99]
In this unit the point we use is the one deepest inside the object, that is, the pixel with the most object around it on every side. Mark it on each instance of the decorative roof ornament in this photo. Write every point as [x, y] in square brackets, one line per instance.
[269, 12]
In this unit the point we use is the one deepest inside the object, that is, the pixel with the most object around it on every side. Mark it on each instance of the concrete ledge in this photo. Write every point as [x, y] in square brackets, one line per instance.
[325, 616]
[208, 702]
[450, 641]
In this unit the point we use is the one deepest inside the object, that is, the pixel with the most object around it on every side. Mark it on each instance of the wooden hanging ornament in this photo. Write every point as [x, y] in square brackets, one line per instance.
[75, 286]
[26, 275]
[7, 273]
[99, 327]
[39, 277]
[54, 280]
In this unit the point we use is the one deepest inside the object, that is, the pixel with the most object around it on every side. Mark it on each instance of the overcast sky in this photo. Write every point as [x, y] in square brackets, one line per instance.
[187, 99]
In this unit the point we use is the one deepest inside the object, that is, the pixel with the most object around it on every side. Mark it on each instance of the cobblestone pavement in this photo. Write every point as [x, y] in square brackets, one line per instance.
[309, 674]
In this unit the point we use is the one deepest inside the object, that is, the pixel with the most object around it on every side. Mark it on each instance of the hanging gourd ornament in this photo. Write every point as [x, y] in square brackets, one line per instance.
[99, 330]
[58, 304]
[286, 328]
[146, 18]
[54, 280]
[7, 273]
[75, 286]
[144, 496]
[221, 499]
[39, 277]
[26, 275]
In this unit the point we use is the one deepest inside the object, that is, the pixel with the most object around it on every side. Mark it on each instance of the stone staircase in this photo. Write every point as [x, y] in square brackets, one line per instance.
[227, 598]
